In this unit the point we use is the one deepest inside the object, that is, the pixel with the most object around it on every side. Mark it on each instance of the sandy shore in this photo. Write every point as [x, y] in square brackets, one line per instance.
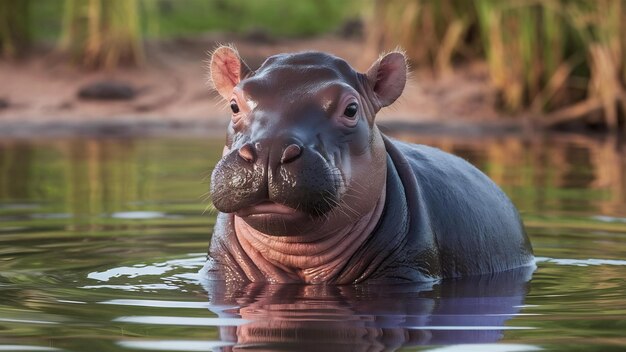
[41, 93]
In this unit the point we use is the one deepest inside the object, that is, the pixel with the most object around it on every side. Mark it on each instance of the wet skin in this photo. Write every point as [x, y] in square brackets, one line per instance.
[310, 191]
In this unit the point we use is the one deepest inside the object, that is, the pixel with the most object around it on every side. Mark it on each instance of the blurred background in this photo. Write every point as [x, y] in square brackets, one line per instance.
[140, 64]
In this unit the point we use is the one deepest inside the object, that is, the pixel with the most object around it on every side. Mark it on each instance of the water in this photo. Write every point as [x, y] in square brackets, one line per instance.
[101, 242]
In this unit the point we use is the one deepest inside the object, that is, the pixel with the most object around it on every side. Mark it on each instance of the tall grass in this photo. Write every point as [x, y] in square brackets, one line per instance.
[554, 54]
[600, 27]
[102, 33]
[14, 27]
[563, 58]
[431, 32]
[526, 45]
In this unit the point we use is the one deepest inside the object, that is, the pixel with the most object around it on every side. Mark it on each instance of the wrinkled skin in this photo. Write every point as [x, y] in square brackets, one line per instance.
[310, 191]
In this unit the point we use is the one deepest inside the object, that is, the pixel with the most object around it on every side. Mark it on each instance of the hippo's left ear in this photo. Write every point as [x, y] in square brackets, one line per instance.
[227, 70]
[387, 77]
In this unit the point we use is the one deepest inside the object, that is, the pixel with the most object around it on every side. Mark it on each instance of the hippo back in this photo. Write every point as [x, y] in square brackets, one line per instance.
[475, 226]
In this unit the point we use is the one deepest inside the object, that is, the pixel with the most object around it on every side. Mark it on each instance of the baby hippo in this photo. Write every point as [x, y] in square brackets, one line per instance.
[310, 191]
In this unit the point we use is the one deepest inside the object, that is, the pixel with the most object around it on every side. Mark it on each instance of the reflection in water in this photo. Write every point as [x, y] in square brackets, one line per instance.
[369, 317]
[541, 174]
[19, 162]
[94, 176]
[111, 177]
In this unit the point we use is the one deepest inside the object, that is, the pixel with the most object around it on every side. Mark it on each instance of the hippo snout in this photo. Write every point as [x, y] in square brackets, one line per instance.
[290, 153]
[287, 174]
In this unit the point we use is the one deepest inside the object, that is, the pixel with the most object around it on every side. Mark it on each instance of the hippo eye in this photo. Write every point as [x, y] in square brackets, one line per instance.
[234, 107]
[351, 110]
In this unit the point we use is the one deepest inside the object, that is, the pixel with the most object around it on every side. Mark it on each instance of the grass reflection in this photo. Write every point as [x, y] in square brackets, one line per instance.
[88, 180]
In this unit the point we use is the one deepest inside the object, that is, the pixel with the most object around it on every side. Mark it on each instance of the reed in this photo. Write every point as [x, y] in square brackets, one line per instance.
[15, 35]
[433, 33]
[102, 33]
[561, 59]
[600, 27]
[525, 45]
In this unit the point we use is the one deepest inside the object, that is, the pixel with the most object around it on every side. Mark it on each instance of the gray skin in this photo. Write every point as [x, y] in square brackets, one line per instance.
[310, 191]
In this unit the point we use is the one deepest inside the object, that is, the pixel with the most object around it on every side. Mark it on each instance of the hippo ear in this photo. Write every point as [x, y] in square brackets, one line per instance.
[387, 77]
[227, 70]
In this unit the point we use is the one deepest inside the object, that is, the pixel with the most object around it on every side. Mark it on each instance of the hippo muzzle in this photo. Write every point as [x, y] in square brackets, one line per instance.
[278, 186]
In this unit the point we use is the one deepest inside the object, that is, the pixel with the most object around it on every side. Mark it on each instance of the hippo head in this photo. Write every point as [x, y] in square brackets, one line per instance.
[302, 151]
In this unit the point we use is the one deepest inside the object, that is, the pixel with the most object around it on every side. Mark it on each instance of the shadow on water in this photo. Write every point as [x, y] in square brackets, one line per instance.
[369, 317]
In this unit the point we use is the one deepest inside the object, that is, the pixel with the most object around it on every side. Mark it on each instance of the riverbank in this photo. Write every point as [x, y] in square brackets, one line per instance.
[41, 93]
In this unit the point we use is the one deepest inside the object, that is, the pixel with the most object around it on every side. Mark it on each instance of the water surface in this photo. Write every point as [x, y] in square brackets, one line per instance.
[101, 242]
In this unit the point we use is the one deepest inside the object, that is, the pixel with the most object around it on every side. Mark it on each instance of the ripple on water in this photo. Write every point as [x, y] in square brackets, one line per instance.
[184, 321]
[188, 266]
[139, 215]
[581, 262]
[26, 348]
[51, 216]
[157, 303]
[173, 345]
[605, 218]
[501, 347]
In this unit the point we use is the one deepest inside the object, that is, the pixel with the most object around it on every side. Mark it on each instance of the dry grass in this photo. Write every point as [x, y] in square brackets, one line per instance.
[562, 59]
[431, 32]
[102, 33]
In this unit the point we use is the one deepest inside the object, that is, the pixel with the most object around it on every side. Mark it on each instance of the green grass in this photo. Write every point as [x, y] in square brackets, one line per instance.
[278, 17]
[46, 18]
[172, 18]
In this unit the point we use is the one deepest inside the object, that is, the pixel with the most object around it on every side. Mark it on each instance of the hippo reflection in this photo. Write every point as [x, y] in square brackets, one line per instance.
[368, 317]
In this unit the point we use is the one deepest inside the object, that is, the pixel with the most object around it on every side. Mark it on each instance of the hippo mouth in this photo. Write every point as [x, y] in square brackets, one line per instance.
[267, 208]
[275, 219]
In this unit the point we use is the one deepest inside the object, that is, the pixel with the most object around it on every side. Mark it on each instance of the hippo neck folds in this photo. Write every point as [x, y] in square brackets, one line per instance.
[313, 258]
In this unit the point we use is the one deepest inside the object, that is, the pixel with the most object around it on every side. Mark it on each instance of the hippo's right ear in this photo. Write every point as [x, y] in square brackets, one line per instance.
[227, 70]
[387, 77]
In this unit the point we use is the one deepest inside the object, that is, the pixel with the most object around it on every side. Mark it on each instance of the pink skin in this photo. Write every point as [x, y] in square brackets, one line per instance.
[311, 259]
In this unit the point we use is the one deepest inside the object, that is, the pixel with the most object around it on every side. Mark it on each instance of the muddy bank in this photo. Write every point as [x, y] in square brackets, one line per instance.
[40, 95]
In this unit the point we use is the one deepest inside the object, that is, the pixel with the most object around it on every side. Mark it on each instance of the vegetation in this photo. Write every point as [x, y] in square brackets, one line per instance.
[564, 57]
[172, 18]
[14, 27]
[106, 33]
[102, 32]
[555, 54]
[431, 32]
[276, 17]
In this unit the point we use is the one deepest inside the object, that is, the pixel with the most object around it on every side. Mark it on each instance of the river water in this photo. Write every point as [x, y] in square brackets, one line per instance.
[102, 241]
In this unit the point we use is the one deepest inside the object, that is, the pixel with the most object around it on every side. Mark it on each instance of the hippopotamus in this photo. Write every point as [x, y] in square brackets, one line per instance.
[310, 191]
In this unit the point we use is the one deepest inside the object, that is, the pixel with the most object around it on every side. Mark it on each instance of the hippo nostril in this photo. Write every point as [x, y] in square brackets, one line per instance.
[247, 153]
[291, 153]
